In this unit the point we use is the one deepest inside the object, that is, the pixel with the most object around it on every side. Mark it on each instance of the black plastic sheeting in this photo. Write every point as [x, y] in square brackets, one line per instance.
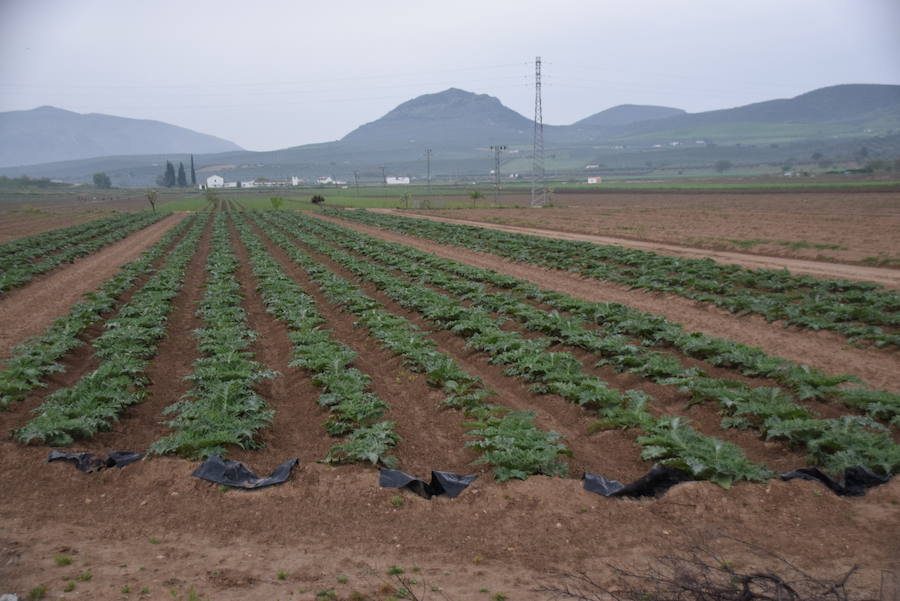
[658, 480]
[237, 475]
[855, 482]
[88, 462]
[442, 483]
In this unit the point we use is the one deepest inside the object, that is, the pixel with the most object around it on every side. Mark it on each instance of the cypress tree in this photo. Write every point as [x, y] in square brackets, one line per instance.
[193, 173]
[182, 180]
[169, 177]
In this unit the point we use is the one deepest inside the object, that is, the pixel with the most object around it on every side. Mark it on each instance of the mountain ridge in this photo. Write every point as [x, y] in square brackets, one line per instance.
[50, 134]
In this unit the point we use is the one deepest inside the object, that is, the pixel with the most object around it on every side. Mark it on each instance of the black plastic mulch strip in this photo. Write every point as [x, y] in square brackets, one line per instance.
[88, 462]
[442, 483]
[237, 475]
[855, 482]
[652, 484]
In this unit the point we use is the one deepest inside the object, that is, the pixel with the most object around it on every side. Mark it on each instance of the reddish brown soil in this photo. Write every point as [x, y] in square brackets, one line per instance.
[591, 451]
[26, 311]
[150, 525]
[863, 224]
[825, 350]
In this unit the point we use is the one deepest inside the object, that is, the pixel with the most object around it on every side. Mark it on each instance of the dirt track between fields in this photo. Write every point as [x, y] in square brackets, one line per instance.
[884, 276]
[26, 311]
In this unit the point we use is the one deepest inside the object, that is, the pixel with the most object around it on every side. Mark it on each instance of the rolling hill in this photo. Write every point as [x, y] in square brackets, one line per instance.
[48, 134]
[626, 114]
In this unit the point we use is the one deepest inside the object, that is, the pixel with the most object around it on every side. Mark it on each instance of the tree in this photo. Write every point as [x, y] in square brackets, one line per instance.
[475, 195]
[168, 179]
[101, 180]
[317, 199]
[722, 166]
[277, 202]
[182, 179]
[193, 173]
[151, 198]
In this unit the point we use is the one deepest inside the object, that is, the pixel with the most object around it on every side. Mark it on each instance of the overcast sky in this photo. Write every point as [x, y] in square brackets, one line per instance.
[272, 74]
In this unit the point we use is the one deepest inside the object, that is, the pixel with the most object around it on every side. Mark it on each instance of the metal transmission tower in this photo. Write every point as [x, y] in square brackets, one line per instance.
[538, 190]
[497, 150]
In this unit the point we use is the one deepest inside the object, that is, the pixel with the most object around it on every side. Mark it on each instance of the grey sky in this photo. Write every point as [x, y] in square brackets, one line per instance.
[272, 74]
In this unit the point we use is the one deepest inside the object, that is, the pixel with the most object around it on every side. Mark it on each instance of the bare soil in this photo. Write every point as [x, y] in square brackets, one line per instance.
[151, 531]
[808, 225]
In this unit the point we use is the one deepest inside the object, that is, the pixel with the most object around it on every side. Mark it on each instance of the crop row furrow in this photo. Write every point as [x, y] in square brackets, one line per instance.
[832, 443]
[668, 439]
[222, 407]
[509, 441]
[36, 358]
[858, 310]
[655, 331]
[124, 350]
[355, 410]
[19, 269]
[24, 249]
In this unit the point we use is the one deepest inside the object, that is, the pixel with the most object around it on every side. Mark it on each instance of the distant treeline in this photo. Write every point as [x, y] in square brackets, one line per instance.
[28, 182]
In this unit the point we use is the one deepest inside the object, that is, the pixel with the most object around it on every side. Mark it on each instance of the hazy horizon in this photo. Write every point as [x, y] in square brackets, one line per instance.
[280, 74]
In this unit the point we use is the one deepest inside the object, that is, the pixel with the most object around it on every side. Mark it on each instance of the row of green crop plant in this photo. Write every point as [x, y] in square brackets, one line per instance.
[222, 407]
[354, 409]
[667, 439]
[834, 444]
[28, 248]
[36, 358]
[510, 441]
[862, 311]
[124, 350]
[20, 267]
[648, 330]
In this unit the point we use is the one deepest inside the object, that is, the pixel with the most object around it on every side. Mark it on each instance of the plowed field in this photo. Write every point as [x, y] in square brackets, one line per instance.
[151, 531]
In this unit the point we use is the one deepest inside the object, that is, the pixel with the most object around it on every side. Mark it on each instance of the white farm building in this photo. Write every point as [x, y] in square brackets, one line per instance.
[215, 181]
[394, 181]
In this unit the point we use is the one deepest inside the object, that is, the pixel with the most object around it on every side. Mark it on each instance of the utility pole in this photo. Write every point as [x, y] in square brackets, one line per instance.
[356, 181]
[383, 177]
[428, 160]
[538, 188]
[497, 150]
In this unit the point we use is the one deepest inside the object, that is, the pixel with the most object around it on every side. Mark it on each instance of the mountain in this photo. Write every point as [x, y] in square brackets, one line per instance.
[459, 126]
[626, 114]
[835, 111]
[453, 118]
[47, 134]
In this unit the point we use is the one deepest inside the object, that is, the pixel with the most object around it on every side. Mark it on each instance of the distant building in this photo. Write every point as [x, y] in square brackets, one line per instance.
[215, 181]
[394, 181]
[325, 180]
[595, 180]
